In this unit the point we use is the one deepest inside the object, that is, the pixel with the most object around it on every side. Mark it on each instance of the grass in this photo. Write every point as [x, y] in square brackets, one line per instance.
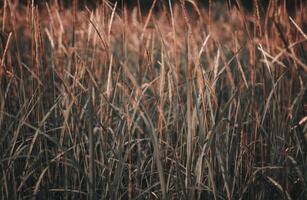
[178, 103]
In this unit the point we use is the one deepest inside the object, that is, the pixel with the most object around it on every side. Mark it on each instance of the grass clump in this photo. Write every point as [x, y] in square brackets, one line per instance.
[179, 103]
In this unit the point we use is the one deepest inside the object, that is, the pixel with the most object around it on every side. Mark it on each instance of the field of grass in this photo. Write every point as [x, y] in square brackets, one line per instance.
[184, 102]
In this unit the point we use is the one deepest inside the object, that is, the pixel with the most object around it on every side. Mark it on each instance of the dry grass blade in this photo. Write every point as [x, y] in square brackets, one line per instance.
[148, 18]
[4, 72]
[156, 153]
[279, 187]
[92, 174]
[298, 28]
[111, 22]
[100, 34]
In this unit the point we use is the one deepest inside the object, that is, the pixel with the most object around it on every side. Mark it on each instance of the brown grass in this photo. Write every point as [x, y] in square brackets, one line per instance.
[176, 104]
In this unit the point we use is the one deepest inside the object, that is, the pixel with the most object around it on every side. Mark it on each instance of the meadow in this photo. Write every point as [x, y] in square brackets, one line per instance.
[180, 102]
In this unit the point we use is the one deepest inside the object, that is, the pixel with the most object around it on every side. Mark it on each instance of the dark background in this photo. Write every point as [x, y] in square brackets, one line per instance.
[145, 4]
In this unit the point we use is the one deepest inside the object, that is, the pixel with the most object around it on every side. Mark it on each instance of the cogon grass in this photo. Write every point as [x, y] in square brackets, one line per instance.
[114, 103]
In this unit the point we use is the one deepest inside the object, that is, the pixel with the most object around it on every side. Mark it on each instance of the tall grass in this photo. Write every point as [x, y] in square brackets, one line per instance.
[171, 104]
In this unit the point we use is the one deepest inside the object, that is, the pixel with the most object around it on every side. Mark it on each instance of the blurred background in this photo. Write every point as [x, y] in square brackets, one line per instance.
[145, 4]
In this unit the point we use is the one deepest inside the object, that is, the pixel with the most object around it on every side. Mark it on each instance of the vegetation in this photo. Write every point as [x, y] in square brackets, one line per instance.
[111, 103]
